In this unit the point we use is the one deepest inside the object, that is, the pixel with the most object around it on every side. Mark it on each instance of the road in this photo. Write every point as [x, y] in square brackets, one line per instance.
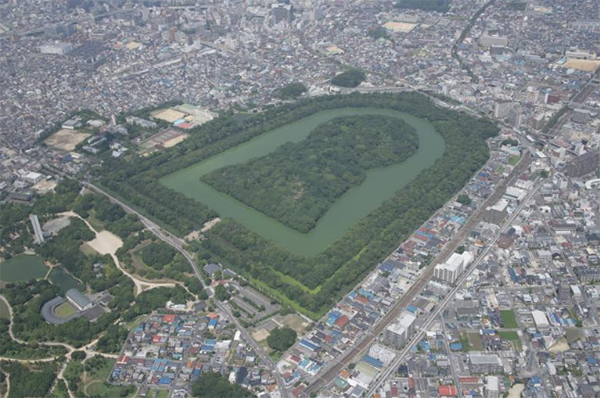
[450, 296]
[178, 244]
[334, 368]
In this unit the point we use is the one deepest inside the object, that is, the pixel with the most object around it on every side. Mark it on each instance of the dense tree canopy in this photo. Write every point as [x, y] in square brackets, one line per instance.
[281, 339]
[292, 90]
[345, 262]
[298, 182]
[221, 293]
[378, 32]
[215, 385]
[350, 78]
[158, 254]
[32, 381]
[464, 199]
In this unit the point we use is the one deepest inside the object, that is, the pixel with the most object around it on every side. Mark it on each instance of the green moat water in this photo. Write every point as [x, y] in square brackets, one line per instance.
[350, 208]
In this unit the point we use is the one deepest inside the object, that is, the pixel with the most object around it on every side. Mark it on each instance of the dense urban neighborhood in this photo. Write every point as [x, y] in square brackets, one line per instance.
[300, 198]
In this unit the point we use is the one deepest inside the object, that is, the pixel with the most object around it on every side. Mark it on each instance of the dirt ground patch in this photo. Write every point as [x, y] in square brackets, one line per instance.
[586, 65]
[169, 115]
[106, 243]
[66, 139]
[174, 141]
[260, 335]
[296, 322]
[516, 390]
[403, 27]
[560, 346]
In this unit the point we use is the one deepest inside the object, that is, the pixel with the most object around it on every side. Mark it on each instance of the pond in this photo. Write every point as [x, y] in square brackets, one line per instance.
[59, 277]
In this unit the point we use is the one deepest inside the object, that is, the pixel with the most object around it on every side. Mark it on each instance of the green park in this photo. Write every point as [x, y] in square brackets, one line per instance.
[310, 200]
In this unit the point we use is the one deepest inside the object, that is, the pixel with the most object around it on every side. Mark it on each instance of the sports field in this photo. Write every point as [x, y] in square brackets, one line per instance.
[585, 65]
[67, 140]
[65, 310]
[402, 27]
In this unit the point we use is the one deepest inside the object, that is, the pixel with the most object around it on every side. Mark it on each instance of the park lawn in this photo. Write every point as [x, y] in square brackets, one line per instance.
[4, 312]
[162, 394]
[100, 388]
[65, 310]
[509, 319]
[22, 268]
[511, 336]
[513, 160]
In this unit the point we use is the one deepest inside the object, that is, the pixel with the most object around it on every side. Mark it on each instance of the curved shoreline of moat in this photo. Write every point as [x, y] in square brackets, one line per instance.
[348, 210]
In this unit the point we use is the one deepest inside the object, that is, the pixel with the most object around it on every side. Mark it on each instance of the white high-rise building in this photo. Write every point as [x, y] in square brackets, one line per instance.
[453, 267]
[397, 334]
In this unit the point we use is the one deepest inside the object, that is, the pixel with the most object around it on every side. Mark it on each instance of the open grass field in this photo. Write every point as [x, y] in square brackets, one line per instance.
[162, 394]
[67, 140]
[4, 312]
[22, 268]
[511, 336]
[509, 319]
[104, 390]
[513, 160]
[65, 310]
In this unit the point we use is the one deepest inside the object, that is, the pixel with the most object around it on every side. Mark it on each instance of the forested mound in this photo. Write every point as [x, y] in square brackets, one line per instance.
[337, 269]
[297, 183]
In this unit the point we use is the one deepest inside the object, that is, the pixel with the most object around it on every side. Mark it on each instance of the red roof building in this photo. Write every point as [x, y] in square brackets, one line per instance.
[169, 318]
[447, 391]
[342, 321]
